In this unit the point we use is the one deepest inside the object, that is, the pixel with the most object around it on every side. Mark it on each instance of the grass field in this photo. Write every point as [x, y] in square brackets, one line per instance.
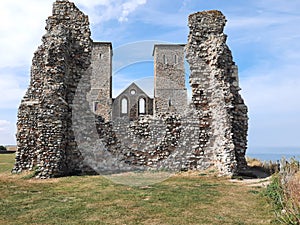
[182, 199]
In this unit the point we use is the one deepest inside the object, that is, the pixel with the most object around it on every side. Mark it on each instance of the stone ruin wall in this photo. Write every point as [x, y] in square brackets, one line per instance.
[212, 131]
[215, 90]
[45, 140]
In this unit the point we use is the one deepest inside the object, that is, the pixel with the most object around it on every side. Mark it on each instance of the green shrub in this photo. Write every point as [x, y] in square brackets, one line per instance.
[274, 192]
[2, 148]
[283, 191]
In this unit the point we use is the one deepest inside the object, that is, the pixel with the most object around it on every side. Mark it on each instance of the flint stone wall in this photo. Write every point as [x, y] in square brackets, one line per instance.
[167, 141]
[45, 139]
[215, 92]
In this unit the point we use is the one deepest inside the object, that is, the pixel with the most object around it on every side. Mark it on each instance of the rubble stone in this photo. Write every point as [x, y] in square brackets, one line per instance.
[45, 140]
[214, 81]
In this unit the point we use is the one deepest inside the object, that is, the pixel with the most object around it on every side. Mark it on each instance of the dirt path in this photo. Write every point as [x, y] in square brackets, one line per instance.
[255, 182]
[254, 177]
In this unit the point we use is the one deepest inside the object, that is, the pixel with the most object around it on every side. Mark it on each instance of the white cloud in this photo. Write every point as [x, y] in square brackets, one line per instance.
[7, 132]
[92, 3]
[272, 96]
[271, 84]
[22, 25]
[104, 10]
[129, 7]
[273, 91]
[4, 126]
[12, 89]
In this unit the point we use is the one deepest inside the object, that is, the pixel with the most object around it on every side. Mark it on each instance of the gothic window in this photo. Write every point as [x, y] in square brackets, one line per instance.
[124, 106]
[142, 106]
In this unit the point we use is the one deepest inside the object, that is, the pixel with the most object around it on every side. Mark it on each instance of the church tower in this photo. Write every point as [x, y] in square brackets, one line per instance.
[169, 78]
[100, 96]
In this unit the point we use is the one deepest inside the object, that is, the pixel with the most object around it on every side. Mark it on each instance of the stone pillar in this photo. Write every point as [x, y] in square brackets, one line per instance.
[45, 140]
[215, 92]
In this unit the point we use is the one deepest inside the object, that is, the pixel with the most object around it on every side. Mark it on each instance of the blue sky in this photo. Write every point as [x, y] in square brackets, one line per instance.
[264, 37]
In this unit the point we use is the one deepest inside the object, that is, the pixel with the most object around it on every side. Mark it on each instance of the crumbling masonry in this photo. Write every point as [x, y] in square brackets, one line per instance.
[71, 78]
[45, 137]
[215, 88]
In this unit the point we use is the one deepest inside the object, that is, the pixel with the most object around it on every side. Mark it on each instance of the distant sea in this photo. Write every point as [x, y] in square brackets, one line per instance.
[273, 153]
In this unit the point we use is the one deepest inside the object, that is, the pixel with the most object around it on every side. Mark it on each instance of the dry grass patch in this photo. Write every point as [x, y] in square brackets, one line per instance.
[294, 189]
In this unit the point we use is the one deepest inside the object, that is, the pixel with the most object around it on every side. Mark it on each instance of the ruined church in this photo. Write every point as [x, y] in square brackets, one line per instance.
[169, 84]
[69, 123]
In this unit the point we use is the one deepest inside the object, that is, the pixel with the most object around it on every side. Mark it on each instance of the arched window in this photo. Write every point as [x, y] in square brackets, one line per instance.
[142, 106]
[165, 59]
[124, 106]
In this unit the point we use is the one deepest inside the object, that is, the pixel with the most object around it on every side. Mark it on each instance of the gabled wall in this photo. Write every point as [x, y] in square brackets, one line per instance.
[132, 95]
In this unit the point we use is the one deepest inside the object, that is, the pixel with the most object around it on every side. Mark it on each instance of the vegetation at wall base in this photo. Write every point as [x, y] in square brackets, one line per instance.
[284, 192]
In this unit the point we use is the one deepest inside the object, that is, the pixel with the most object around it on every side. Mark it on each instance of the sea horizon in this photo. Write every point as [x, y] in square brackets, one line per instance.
[273, 153]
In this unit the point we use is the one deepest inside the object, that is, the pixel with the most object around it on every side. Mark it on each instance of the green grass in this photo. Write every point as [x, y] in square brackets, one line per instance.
[181, 199]
[6, 162]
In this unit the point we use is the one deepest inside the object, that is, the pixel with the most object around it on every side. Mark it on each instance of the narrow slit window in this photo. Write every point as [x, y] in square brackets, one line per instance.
[170, 102]
[95, 106]
[142, 106]
[176, 59]
[124, 106]
[165, 59]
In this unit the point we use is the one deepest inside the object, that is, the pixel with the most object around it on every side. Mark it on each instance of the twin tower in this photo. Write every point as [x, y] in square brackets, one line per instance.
[170, 93]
